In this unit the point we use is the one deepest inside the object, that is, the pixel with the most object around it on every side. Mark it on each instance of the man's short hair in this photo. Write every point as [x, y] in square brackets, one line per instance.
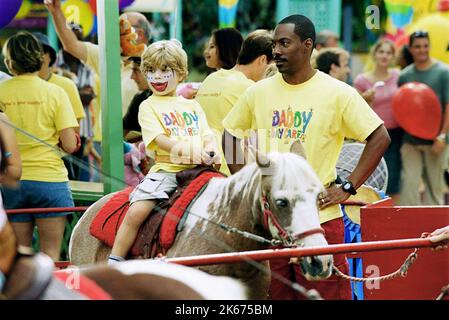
[146, 28]
[327, 57]
[304, 28]
[323, 36]
[256, 44]
[416, 35]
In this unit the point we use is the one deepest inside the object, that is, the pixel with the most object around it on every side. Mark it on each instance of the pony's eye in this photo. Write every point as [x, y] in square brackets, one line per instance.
[282, 203]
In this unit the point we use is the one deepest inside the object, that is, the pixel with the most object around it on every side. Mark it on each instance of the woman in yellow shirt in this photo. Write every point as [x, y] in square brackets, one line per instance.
[42, 110]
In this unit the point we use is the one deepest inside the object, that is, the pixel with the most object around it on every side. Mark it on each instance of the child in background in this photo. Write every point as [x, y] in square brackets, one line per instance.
[174, 128]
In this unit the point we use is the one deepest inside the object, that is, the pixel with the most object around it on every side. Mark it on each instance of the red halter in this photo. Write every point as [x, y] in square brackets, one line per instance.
[284, 234]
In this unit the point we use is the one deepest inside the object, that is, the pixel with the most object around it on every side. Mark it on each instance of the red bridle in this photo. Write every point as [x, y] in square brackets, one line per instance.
[268, 216]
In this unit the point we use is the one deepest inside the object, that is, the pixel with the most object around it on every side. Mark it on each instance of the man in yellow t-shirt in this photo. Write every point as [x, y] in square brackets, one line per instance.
[304, 104]
[174, 128]
[220, 90]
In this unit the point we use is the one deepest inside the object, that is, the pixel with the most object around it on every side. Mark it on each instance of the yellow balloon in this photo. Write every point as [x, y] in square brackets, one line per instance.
[436, 25]
[24, 9]
[78, 11]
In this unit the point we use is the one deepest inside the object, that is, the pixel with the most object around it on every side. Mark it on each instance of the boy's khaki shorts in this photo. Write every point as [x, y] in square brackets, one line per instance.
[156, 185]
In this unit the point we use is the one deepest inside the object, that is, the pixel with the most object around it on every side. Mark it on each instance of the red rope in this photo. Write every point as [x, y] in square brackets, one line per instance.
[46, 210]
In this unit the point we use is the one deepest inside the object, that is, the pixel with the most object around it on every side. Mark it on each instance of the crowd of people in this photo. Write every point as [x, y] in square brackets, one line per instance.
[267, 90]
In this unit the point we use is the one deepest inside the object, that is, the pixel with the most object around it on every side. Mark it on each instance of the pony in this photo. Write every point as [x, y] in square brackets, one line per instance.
[274, 198]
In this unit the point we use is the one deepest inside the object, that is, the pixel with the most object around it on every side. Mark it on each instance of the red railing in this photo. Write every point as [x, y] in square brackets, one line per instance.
[260, 255]
[45, 210]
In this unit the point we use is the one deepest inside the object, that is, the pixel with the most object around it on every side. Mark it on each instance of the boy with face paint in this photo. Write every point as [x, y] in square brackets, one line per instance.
[174, 128]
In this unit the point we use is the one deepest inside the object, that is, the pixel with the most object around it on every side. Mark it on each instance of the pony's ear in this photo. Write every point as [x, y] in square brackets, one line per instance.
[298, 148]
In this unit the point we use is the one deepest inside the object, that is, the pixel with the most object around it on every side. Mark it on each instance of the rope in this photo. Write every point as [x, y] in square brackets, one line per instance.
[444, 292]
[402, 271]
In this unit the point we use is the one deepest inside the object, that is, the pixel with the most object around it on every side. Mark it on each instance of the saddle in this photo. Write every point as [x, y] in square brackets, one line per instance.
[157, 233]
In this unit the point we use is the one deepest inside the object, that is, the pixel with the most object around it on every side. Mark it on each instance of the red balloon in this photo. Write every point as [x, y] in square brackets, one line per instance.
[417, 109]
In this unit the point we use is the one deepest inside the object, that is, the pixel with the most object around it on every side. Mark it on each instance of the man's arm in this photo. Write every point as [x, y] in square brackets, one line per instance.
[68, 38]
[439, 144]
[377, 143]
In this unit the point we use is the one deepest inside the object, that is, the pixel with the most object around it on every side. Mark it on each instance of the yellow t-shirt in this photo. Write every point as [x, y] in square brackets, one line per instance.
[72, 92]
[179, 118]
[217, 95]
[320, 112]
[41, 109]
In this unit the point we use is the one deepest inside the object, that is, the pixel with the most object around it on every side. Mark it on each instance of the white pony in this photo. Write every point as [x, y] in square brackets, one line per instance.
[277, 200]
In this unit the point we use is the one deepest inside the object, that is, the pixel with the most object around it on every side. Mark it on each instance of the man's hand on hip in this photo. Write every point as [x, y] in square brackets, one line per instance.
[333, 195]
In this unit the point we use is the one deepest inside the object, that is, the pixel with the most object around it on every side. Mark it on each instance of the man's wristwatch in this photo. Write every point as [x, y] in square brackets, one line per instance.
[348, 187]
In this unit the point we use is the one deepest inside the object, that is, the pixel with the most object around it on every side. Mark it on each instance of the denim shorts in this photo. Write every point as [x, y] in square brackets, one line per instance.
[37, 194]
[156, 185]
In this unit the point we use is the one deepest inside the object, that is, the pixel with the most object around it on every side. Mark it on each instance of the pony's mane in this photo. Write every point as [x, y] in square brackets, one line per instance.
[291, 168]
[282, 165]
[286, 169]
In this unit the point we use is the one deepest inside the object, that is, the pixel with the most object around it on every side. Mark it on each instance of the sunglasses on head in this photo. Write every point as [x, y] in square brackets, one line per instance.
[419, 33]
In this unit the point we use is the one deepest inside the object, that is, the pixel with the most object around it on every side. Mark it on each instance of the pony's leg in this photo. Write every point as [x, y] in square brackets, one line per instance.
[127, 233]
[51, 233]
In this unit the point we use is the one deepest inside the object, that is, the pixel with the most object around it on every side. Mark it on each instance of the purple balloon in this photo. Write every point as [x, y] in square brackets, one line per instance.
[9, 11]
[124, 3]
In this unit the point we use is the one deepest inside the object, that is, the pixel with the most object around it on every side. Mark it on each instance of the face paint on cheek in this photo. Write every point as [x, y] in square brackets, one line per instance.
[160, 76]
[162, 82]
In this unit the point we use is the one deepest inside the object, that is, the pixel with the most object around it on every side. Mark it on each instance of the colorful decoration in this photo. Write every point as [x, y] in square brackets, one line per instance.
[9, 11]
[78, 11]
[227, 11]
[24, 9]
[124, 3]
[400, 12]
[417, 110]
[121, 5]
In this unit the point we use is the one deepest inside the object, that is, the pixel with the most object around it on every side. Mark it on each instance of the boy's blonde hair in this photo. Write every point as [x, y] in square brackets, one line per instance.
[165, 53]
